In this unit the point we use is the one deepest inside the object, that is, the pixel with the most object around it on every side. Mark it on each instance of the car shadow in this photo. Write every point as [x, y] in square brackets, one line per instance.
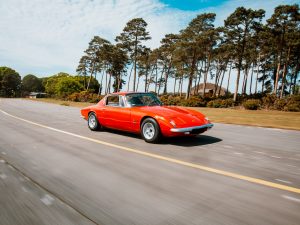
[191, 141]
[178, 141]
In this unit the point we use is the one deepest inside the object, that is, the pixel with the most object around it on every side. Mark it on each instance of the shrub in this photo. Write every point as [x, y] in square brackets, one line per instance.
[226, 103]
[215, 103]
[66, 86]
[279, 104]
[292, 107]
[218, 103]
[252, 104]
[84, 96]
[170, 99]
[194, 101]
[268, 101]
[293, 104]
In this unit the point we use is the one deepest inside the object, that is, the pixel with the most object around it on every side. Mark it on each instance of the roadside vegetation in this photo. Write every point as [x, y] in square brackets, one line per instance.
[262, 54]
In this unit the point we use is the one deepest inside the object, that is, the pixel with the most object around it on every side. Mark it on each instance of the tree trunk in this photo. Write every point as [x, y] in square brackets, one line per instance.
[181, 85]
[217, 79]
[101, 83]
[228, 78]
[198, 83]
[284, 72]
[257, 73]
[106, 82]
[174, 91]
[237, 81]
[295, 77]
[109, 83]
[84, 81]
[251, 78]
[191, 76]
[135, 56]
[128, 85]
[220, 86]
[277, 76]
[156, 75]
[148, 82]
[245, 80]
[166, 77]
[160, 80]
[146, 79]
[207, 65]
[263, 83]
[93, 67]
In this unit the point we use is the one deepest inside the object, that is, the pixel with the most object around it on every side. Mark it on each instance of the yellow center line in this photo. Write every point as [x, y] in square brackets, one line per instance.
[168, 159]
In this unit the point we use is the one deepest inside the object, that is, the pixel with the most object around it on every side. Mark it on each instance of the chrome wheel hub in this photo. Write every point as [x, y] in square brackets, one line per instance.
[92, 121]
[148, 131]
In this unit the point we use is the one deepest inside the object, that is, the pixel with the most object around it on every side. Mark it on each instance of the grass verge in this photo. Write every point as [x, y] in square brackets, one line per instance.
[263, 118]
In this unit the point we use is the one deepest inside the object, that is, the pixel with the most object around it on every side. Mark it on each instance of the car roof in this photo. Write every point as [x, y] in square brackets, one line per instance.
[127, 92]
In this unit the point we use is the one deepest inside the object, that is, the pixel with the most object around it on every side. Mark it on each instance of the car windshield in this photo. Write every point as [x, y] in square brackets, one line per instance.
[142, 99]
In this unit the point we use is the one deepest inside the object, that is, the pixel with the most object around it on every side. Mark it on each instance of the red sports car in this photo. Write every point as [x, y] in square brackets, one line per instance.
[143, 113]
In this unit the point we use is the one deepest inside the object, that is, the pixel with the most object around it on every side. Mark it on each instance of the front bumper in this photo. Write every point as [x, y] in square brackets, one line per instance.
[191, 129]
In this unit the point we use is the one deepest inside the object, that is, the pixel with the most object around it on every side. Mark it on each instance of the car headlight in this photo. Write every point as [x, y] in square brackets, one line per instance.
[206, 118]
[172, 122]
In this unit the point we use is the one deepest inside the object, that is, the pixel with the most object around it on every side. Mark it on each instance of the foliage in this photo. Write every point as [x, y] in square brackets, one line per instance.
[84, 96]
[51, 83]
[264, 52]
[221, 103]
[31, 83]
[292, 104]
[252, 104]
[193, 102]
[279, 104]
[10, 82]
[268, 101]
[130, 40]
[66, 86]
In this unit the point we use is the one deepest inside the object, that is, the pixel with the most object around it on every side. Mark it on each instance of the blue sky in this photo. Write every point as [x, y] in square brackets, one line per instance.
[45, 37]
[192, 5]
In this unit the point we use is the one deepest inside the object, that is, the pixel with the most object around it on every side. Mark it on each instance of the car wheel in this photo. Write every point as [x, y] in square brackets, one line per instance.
[150, 130]
[93, 122]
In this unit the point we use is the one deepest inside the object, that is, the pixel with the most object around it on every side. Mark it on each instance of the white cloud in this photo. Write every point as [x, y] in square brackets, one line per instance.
[45, 37]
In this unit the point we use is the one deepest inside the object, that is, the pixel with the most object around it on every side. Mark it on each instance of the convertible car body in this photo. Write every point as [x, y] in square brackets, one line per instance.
[144, 114]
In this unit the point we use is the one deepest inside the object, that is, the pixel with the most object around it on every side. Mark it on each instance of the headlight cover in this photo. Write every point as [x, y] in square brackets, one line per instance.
[172, 122]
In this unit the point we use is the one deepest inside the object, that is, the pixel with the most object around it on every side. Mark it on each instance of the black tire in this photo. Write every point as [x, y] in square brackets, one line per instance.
[93, 122]
[150, 130]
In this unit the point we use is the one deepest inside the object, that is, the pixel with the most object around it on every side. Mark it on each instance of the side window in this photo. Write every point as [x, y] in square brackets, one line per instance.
[115, 100]
[112, 100]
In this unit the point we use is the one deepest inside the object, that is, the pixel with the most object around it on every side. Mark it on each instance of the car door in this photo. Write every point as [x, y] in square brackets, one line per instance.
[115, 114]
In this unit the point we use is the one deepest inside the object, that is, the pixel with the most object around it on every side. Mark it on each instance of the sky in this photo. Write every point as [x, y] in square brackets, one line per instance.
[43, 37]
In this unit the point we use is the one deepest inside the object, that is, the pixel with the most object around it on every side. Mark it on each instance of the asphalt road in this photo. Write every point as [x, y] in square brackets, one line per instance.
[54, 170]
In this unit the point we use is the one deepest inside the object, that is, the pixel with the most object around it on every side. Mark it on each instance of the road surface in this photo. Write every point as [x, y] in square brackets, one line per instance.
[54, 170]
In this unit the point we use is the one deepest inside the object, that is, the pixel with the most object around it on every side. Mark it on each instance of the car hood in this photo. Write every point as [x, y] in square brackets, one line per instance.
[181, 116]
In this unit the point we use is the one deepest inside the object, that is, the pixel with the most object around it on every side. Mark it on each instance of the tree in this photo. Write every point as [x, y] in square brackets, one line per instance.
[93, 60]
[168, 47]
[31, 83]
[67, 85]
[51, 82]
[10, 82]
[239, 28]
[134, 33]
[198, 41]
[284, 26]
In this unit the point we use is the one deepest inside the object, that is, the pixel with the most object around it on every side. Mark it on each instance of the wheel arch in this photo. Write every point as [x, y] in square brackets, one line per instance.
[151, 117]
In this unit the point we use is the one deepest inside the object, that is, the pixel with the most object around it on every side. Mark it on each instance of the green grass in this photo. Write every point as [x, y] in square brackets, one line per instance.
[263, 118]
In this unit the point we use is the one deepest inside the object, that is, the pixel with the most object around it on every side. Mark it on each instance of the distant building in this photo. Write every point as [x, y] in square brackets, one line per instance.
[37, 95]
[209, 90]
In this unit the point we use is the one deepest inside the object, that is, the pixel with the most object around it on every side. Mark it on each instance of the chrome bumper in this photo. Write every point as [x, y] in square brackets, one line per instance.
[189, 129]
